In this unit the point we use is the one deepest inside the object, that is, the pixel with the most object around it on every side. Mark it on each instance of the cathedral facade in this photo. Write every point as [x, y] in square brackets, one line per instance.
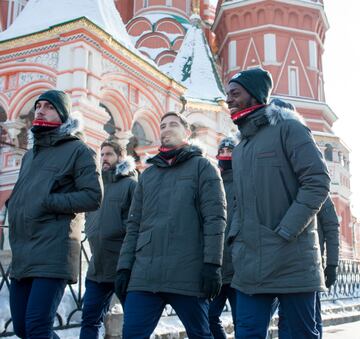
[127, 62]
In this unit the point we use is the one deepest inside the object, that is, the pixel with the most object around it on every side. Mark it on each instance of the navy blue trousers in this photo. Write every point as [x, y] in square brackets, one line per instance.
[33, 305]
[96, 303]
[143, 311]
[253, 314]
[284, 332]
[217, 306]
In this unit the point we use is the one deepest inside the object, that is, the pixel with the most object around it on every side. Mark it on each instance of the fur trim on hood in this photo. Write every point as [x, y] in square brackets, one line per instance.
[275, 114]
[126, 167]
[70, 126]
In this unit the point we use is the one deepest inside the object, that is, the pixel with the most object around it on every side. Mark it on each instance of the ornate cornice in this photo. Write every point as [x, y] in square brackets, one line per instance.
[62, 33]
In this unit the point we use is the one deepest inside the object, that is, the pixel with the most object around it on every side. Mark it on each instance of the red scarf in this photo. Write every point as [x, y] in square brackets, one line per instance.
[39, 122]
[245, 112]
[168, 149]
[222, 157]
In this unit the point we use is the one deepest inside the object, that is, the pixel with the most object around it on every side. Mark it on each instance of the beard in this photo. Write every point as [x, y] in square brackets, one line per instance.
[108, 166]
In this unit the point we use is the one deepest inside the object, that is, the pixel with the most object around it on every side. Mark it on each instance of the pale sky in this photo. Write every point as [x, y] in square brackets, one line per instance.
[342, 80]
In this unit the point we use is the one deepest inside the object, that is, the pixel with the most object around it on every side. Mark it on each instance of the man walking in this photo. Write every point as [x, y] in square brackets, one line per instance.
[280, 182]
[328, 231]
[105, 229]
[58, 180]
[173, 247]
[216, 307]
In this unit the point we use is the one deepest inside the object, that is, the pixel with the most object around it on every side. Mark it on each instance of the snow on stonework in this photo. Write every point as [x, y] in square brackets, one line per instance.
[194, 66]
[39, 15]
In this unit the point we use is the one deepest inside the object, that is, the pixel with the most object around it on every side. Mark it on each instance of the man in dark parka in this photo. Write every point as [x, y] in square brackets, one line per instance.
[105, 229]
[328, 231]
[173, 247]
[280, 181]
[58, 179]
[217, 305]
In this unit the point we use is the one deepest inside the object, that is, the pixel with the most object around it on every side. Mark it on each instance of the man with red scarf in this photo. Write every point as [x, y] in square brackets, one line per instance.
[217, 305]
[280, 183]
[173, 246]
[58, 179]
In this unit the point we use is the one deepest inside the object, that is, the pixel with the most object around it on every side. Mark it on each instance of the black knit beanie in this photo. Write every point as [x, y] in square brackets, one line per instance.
[257, 82]
[228, 142]
[60, 100]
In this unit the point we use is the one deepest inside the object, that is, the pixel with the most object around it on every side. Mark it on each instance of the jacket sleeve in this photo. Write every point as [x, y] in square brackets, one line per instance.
[127, 252]
[87, 192]
[312, 175]
[234, 226]
[329, 224]
[212, 205]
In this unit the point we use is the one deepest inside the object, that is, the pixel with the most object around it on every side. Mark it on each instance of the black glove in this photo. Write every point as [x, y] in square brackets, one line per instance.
[121, 282]
[330, 275]
[211, 274]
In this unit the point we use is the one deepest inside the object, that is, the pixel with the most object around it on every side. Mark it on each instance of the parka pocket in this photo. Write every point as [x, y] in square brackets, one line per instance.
[267, 158]
[276, 253]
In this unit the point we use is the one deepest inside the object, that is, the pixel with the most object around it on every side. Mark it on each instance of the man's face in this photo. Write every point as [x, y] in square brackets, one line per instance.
[172, 132]
[109, 158]
[45, 111]
[238, 98]
[225, 152]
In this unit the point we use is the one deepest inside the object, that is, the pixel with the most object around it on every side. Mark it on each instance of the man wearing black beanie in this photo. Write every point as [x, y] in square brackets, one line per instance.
[58, 180]
[280, 183]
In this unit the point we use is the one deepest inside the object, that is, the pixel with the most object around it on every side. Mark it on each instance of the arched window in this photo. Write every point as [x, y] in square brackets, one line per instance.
[110, 126]
[328, 153]
[140, 135]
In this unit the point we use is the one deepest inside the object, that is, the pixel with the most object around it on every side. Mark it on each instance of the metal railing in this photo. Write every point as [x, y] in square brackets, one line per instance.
[346, 287]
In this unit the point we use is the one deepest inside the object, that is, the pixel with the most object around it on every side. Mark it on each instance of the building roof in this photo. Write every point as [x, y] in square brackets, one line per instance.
[40, 15]
[194, 66]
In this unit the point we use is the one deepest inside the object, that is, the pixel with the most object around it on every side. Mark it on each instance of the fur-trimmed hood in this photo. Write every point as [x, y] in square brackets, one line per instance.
[68, 128]
[270, 114]
[275, 114]
[126, 167]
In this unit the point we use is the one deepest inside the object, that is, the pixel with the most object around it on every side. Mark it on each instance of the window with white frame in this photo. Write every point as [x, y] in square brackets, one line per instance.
[169, 3]
[270, 48]
[232, 54]
[293, 81]
[188, 7]
[312, 54]
[146, 3]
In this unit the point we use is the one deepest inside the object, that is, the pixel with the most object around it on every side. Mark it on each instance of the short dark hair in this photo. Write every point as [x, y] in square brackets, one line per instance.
[182, 119]
[118, 149]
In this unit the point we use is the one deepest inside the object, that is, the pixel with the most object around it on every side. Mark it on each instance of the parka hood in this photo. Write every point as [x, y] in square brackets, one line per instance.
[275, 114]
[126, 167]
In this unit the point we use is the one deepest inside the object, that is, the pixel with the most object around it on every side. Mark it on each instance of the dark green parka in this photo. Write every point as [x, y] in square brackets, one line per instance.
[58, 179]
[106, 227]
[227, 267]
[176, 224]
[280, 182]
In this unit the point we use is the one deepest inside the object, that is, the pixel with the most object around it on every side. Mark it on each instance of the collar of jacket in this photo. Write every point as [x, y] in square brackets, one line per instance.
[57, 135]
[186, 153]
[252, 123]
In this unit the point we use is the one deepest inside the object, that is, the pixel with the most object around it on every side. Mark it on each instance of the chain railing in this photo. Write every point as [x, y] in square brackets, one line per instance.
[68, 316]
